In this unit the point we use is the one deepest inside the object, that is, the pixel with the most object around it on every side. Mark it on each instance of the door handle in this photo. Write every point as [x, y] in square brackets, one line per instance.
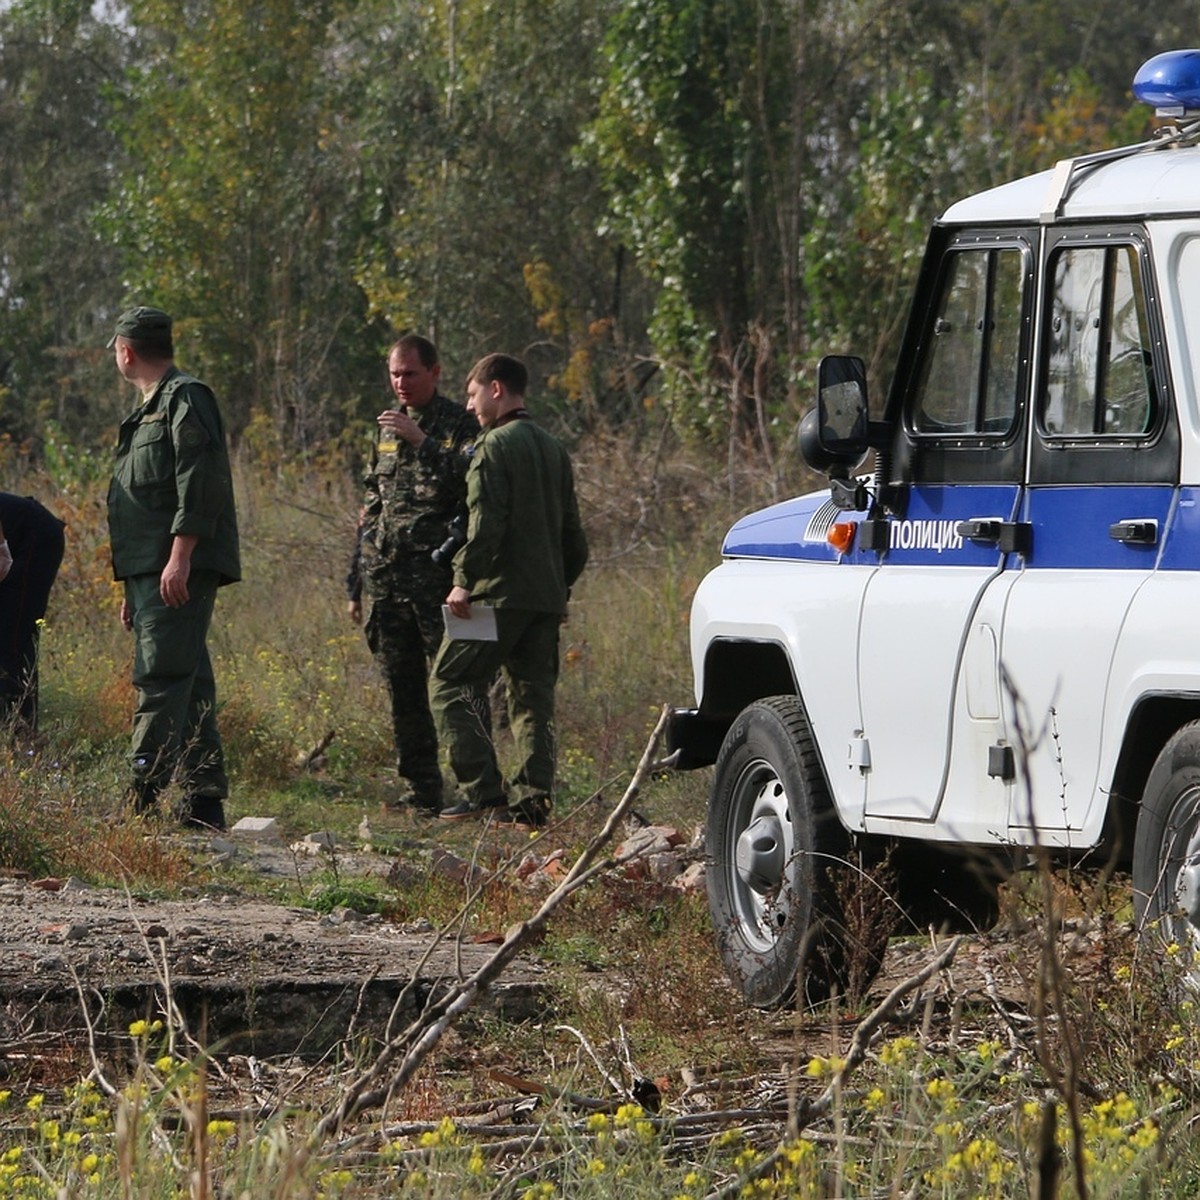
[1135, 532]
[1013, 537]
[980, 529]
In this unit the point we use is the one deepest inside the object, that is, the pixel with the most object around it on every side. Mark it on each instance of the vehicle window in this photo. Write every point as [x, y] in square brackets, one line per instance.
[1098, 378]
[968, 382]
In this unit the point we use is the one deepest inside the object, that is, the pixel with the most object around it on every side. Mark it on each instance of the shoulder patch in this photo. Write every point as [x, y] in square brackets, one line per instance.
[192, 435]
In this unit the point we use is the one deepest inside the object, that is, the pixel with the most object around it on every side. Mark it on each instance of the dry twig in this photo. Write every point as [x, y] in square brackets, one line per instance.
[859, 1044]
[401, 1057]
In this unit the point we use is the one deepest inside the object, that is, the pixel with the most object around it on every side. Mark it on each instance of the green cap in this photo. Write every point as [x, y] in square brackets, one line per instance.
[142, 323]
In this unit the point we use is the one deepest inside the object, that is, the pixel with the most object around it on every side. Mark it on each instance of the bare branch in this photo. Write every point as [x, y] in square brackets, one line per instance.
[404, 1054]
[859, 1045]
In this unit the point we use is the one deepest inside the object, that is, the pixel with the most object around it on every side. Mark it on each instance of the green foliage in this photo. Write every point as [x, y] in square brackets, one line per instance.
[480, 211]
[57, 58]
[21, 845]
[91, 1142]
[671, 209]
[332, 890]
[681, 159]
[232, 213]
[71, 465]
[871, 222]
[673, 141]
[946, 1120]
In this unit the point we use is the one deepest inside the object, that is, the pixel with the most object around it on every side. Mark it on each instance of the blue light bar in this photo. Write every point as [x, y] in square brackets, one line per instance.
[1171, 82]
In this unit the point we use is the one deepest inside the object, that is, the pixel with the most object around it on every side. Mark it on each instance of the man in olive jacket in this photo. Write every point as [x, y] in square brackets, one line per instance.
[174, 535]
[525, 548]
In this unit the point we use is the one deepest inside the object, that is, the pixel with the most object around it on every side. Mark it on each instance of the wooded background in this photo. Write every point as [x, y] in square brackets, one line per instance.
[670, 208]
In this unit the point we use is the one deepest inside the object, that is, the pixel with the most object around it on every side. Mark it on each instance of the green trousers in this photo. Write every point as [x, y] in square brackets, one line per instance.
[174, 721]
[526, 656]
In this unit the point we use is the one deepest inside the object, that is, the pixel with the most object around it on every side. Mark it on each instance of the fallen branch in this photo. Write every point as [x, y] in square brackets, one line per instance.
[499, 1140]
[306, 760]
[531, 1087]
[861, 1041]
[403, 1054]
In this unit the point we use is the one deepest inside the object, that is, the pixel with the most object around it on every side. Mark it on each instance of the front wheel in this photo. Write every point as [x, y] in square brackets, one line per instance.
[775, 841]
[1166, 850]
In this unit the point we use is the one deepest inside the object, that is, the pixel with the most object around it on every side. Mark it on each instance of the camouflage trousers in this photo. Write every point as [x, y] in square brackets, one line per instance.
[526, 656]
[404, 633]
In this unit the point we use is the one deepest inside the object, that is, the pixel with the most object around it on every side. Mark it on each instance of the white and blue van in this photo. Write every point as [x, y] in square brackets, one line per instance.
[991, 643]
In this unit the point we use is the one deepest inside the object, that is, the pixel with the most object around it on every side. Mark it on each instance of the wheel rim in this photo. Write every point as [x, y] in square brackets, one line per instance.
[1181, 874]
[763, 847]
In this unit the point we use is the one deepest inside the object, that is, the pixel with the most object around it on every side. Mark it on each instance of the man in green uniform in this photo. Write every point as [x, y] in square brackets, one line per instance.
[525, 548]
[174, 535]
[415, 488]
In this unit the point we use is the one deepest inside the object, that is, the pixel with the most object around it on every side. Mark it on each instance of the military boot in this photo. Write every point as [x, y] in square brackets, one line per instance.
[203, 812]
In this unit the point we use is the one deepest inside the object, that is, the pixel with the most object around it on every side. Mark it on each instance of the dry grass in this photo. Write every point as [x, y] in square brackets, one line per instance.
[1056, 1005]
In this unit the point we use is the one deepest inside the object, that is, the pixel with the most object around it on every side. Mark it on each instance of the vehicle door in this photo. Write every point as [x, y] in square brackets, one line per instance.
[953, 490]
[1103, 467]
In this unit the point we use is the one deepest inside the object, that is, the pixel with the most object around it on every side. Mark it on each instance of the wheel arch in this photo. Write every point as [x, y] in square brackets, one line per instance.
[736, 673]
[1154, 719]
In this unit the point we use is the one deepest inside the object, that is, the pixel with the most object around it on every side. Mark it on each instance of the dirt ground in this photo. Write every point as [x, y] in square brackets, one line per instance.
[62, 935]
[268, 982]
[276, 979]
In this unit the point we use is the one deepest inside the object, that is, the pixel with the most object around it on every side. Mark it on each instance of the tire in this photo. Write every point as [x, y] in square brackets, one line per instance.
[774, 842]
[1166, 848]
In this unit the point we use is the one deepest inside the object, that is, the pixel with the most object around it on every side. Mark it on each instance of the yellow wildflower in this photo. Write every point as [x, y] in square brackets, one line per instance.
[898, 1052]
[989, 1050]
[821, 1067]
[944, 1092]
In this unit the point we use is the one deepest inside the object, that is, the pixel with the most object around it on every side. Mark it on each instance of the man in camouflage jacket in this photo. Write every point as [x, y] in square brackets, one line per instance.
[415, 488]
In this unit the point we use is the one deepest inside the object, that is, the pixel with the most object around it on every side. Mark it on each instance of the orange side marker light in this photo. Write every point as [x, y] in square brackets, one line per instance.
[841, 536]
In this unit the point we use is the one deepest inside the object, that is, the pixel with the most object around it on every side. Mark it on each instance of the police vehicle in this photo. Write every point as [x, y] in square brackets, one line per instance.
[992, 642]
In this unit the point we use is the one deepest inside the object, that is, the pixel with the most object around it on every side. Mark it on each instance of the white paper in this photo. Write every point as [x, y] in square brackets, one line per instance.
[480, 626]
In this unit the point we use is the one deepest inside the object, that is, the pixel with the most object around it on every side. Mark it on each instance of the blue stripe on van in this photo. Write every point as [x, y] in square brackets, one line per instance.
[1071, 526]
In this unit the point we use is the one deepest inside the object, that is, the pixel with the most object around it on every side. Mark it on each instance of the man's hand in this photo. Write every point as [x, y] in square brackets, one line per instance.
[354, 609]
[172, 584]
[6, 560]
[459, 602]
[126, 616]
[402, 425]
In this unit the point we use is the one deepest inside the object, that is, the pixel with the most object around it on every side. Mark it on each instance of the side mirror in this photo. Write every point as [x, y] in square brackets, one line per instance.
[842, 416]
[835, 436]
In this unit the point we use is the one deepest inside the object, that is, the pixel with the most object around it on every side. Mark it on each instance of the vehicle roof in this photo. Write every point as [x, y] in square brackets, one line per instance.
[1148, 182]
